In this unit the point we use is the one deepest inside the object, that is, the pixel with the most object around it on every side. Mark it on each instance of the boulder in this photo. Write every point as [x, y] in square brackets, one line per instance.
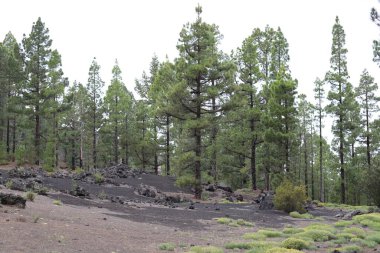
[79, 192]
[348, 216]
[147, 191]
[265, 201]
[12, 199]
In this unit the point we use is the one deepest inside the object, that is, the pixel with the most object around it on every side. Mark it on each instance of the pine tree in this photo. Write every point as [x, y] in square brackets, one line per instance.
[319, 95]
[368, 102]
[194, 91]
[94, 87]
[117, 104]
[341, 98]
[164, 80]
[37, 49]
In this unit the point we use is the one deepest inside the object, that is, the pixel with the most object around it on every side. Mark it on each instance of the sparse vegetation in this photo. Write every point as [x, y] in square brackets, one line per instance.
[297, 215]
[167, 246]
[348, 249]
[9, 184]
[30, 196]
[57, 202]
[98, 178]
[270, 233]
[206, 249]
[234, 223]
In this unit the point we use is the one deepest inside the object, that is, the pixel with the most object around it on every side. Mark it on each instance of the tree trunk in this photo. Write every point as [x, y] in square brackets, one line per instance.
[368, 142]
[167, 145]
[8, 135]
[321, 181]
[155, 149]
[253, 165]
[198, 145]
[116, 135]
[37, 135]
[341, 158]
[214, 131]
[14, 139]
[306, 164]
[94, 155]
[126, 161]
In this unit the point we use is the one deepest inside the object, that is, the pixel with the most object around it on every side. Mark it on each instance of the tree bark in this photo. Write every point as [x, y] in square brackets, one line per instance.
[167, 145]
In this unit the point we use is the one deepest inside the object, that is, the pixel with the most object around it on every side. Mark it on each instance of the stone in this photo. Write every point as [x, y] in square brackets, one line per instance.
[265, 201]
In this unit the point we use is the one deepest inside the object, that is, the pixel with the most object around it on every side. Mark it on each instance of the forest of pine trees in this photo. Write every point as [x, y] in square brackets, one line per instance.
[207, 117]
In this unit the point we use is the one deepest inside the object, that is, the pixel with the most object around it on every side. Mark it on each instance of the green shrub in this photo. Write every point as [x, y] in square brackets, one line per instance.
[359, 232]
[282, 250]
[270, 233]
[371, 216]
[348, 249]
[185, 181]
[30, 196]
[78, 170]
[261, 247]
[207, 249]
[238, 245]
[57, 202]
[254, 236]
[375, 237]
[297, 215]
[343, 223]
[292, 230]
[345, 236]
[98, 178]
[234, 223]
[295, 243]
[20, 154]
[9, 184]
[166, 246]
[290, 198]
[316, 235]
[363, 243]
[320, 226]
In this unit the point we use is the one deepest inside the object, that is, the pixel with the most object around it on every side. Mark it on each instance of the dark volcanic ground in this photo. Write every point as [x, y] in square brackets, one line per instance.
[139, 208]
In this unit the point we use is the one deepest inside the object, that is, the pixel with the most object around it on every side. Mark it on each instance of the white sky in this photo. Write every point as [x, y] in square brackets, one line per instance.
[132, 31]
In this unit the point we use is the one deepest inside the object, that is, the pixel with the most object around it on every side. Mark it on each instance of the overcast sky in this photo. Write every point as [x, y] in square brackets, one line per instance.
[132, 31]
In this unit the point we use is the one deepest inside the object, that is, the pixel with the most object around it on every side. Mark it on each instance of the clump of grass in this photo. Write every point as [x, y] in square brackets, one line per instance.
[57, 202]
[207, 249]
[363, 243]
[348, 249]
[297, 215]
[98, 178]
[282, 250]
[363, 209]
[166, 246]
[375, 237]
[295, 243]
[270, 233]
[343, 223]
[316, 235]
[238, 245]
[9, 184]
[234, 223]
[345, 236]
[292, 231]
[359, 232]
[78, 170]
[102, 195]
[30, 196]
[254, 236]
[320, 226]
[261, 247]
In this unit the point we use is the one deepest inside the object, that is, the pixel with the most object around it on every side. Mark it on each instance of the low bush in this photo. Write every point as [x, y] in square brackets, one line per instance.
[316, 235]
[166, 246]
[359, 232]
[57, 202]
[297, 215]
[348, 249]
[343, 223]
[363, 243]
[375, 237]
[292, 231]
[30, 196]
[234, 223]
[290, 198]
[238, 245]
[206, 249]
[254, 236]
[98, 178]
[185, 181]
[270, 233]
[295, 243]
[282, 250]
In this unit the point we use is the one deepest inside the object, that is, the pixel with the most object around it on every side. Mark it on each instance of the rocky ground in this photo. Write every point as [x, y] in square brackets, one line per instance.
[122, 210]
